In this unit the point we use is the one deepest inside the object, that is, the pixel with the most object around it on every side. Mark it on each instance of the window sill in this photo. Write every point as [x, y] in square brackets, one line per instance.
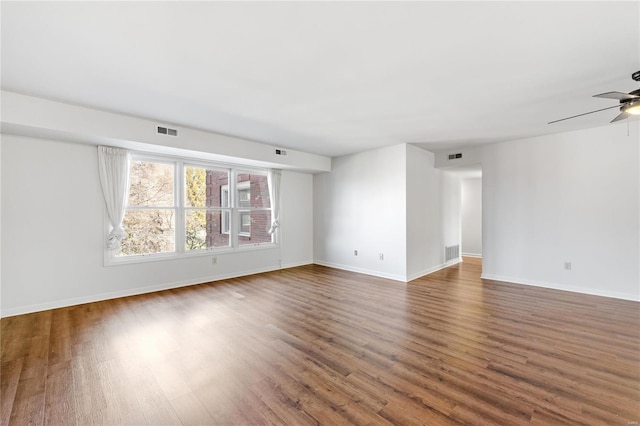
[113, 261]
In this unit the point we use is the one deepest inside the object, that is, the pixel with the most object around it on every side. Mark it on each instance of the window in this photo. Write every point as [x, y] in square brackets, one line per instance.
[212, 208]
[244, 200]
[254, 207]
[150, 218]
[206, 207]
[245, 224]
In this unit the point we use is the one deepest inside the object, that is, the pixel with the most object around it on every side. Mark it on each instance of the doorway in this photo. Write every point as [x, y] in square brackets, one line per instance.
[471, 217]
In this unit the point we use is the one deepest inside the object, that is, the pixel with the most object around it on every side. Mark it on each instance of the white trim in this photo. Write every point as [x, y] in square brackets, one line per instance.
[179, 182]
[394, 277]
[241, 215]
[472, 255]
[214, 251]
[296, 264]
[433, 269]
[361, 270]
[555, 286]
[130, 292]
[225, 219]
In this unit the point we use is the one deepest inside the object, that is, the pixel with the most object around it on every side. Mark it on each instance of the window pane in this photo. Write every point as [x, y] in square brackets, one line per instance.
[257, 224]
[245, 223]
[150, 231]
[244, 197]
[151, 184]
[216, 211]
[196, 230]
[252, 190]
[203, 187]
[224, 195]
[204, 229]
[225, 226]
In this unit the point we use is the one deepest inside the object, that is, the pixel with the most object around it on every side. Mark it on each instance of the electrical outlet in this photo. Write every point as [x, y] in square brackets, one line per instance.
[567, 266]
[381, 256]
[214, 260]
[355, 252]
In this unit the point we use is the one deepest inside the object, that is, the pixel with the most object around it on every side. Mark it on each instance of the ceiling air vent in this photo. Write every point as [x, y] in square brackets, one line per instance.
[281, 152]
[167, 131]
[454, 156]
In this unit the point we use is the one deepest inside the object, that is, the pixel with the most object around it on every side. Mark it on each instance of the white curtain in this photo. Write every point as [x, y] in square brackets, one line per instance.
[273, 180]
[113, 164]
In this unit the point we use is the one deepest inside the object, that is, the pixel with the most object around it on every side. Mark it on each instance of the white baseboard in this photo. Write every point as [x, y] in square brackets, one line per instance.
[296, 264]
[167, 286]
[136, 291]
[389, 276]
[361, 270]
[472, 255]
[555, 286]
[433, 269]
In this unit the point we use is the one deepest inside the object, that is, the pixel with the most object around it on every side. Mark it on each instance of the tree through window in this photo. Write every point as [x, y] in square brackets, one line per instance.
[212, 208]
[150, 218]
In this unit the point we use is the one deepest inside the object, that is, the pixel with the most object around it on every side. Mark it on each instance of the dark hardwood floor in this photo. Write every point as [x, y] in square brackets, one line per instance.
[314, 345]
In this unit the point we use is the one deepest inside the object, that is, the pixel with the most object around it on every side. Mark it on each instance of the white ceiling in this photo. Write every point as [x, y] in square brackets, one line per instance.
[331, 77]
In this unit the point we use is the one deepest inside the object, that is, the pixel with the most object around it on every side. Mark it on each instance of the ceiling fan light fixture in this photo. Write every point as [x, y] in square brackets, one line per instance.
[632, 108]
[629, 103]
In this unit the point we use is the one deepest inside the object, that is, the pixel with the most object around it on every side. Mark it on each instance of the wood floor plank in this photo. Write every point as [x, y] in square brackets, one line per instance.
[9, 379]
[315, 345]
[59, 401]
[190, 411]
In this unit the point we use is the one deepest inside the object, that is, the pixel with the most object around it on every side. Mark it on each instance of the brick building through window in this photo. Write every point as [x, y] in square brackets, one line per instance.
[251, 215]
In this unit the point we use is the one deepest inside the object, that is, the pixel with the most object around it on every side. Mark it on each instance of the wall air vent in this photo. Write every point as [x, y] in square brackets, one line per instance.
[451, 252]
[454, 156]
[281, 152]
[167, 131]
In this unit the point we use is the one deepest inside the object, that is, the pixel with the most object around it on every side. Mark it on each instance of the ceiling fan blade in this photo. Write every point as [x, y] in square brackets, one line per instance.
[616, 95]
[580, 115]
[620, 116]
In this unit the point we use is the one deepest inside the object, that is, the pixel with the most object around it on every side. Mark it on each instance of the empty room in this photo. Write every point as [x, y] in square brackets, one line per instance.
[334, 213]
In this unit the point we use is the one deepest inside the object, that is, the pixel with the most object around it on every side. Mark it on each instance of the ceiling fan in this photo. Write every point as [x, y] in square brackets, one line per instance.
[629, 103]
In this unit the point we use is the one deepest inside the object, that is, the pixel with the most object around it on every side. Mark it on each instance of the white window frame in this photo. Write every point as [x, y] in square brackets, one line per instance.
[110, 256]
[238, 211]
[223, 208]
[225, 225]
[180, 212]
[242, 214]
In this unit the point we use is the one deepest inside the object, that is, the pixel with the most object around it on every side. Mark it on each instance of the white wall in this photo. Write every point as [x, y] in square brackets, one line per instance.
[391, 201]
[46, 119]
[570, 197]
[361, 205]
[472, 217]
[433, 213]
[471, 156]
[296, 217]
[451, 202]
[424, 213]
[53, 222]
[0, 226]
